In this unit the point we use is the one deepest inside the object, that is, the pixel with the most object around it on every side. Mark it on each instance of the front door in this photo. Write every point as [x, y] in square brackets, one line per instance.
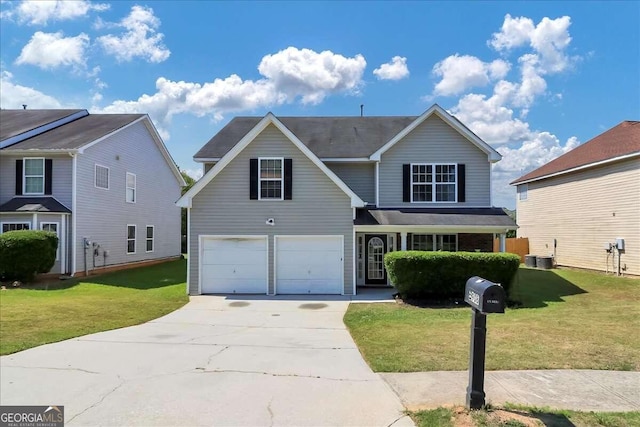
[375, 248]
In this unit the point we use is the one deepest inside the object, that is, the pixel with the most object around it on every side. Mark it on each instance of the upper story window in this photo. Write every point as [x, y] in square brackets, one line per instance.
[131, 188]
[433, 183]
[523, 189]
[33, 176]
[270, 179]
[102, 177]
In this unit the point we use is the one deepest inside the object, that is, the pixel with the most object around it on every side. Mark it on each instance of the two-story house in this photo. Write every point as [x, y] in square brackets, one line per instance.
[105, 183]
[299, 205]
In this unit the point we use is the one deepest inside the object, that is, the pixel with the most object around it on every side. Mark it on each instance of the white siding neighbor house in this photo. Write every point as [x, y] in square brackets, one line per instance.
[583, 208]
[105, 183]
[310, 205]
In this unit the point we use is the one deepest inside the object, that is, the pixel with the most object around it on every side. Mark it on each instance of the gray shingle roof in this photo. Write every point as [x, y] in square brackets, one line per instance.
[34, 204]
[77, 133]
[326, 137]
[16, 122]
[478, 217]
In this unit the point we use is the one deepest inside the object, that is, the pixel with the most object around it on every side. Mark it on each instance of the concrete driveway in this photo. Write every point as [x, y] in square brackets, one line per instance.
[217, 361]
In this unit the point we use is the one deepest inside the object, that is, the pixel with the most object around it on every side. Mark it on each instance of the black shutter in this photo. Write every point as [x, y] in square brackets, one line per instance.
[253, 179]
[288, 178]
[48, 174]
[409, 244]
[406, 183]
[18, 177]
[461, 183]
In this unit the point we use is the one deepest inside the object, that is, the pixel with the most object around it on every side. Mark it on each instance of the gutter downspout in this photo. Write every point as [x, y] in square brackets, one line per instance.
[74, 212]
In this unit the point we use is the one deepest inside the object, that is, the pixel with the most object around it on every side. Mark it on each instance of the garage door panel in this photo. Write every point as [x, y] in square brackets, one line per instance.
[234, 265]
[309, 264]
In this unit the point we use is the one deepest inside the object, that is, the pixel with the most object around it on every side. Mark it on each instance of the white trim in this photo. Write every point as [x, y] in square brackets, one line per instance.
[74, 210]
[135, 239]
[206, 159]
[493, 155]
[305, 236]
[281, 179]
[15, 222]
[95, 176]
[57, 224]
[377, 184]
[346, 159]
[37, 151]
[185, 200]
[577, 168]
[44, 128]
[188, 249]
[63, 244]
[153, 239]
[134, 188]
[490, 183]
[35, 221]
[354, 262]
[24, 176]
[201, 238]
[433, 183]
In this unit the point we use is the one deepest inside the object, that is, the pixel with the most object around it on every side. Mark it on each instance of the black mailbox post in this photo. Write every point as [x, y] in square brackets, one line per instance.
[484, 297]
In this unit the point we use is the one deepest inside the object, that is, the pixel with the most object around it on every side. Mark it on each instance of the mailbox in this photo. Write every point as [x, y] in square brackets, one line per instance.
[484, 296]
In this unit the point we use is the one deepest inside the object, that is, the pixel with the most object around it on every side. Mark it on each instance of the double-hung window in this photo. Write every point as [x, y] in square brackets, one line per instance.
[33, 176]
[270, 178]
[131, 239]
[433, 183]
[434, 242]
[150, 235]
[131, 187]
[52, 227]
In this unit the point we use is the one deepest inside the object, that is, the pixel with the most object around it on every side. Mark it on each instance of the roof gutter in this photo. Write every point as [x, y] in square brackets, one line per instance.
[578, 168]
[41, 129]
[38, 151]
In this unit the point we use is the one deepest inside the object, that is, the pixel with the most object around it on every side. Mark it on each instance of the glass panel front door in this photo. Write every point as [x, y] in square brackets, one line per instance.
[376, 247]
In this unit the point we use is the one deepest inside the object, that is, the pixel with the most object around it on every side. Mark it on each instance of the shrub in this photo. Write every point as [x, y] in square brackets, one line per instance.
[23, 254]
[417, 274]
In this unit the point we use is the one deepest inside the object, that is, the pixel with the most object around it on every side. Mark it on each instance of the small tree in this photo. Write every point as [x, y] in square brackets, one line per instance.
[23, 254]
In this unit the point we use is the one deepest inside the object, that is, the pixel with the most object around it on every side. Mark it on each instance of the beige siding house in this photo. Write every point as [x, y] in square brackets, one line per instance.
[585, 205]
[310, 205]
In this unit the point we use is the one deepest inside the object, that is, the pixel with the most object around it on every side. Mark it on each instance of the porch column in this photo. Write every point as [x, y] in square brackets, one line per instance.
[35, 222]
[403, 241]
[503, 242]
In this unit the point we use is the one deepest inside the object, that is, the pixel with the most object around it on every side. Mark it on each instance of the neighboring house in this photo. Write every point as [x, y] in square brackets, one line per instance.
[299, 205]
[106, 178]
[575, 206]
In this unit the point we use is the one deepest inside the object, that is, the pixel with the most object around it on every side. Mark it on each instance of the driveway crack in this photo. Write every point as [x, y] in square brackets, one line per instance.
[237, 371]
[122, 382]
[86, 371]
[270, 413]
[396, 420]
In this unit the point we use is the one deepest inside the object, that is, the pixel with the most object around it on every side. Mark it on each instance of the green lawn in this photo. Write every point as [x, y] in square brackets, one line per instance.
[31, 317]
[522, 416]
[568, 320]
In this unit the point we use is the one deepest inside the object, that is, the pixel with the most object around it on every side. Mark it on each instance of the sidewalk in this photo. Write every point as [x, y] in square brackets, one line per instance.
[581, 390]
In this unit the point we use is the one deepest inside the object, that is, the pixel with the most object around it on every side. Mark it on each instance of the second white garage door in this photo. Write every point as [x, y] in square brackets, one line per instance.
[234, 265]
[309, 264]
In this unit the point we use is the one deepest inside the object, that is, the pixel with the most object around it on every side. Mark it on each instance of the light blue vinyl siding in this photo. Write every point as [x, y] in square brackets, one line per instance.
[360, 177]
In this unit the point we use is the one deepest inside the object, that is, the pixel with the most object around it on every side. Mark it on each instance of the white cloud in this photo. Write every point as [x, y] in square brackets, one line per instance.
[459, 73]
[140, 38]
[304, 72]
[38, 12]
[194, 173]
[289, 75]
[13, 95]
[395, 70]
[52, 50]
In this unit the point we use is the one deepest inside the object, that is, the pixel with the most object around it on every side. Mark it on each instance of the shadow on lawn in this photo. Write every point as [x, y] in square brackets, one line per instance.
[535, 288]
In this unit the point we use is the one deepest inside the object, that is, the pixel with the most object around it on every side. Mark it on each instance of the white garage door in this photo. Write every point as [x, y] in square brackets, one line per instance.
[309, 264]
[234, 265]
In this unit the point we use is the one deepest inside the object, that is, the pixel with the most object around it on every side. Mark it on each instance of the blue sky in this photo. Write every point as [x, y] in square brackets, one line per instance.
[534, 79]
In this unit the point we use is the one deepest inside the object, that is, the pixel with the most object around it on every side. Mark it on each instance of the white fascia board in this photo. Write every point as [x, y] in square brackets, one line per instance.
[578, 168]
[492, 154]
[41, 129]
[346, 159]
[37, 152]
[185, 200]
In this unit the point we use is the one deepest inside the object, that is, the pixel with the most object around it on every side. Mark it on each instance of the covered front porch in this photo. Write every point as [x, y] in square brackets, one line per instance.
[378, 231]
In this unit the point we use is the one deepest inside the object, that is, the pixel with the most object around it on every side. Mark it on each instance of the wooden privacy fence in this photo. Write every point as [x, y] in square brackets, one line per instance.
[515, 245]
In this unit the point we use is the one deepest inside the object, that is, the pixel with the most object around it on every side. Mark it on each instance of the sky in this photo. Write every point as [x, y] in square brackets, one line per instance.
[533, 79]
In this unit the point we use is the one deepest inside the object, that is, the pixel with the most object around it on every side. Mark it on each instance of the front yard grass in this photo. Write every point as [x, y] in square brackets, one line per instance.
[32, 317]
[522, 416]
[568, 320]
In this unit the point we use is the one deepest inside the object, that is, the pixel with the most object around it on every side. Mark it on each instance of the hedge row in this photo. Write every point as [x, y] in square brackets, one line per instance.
[23, 254]
[418, 274]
